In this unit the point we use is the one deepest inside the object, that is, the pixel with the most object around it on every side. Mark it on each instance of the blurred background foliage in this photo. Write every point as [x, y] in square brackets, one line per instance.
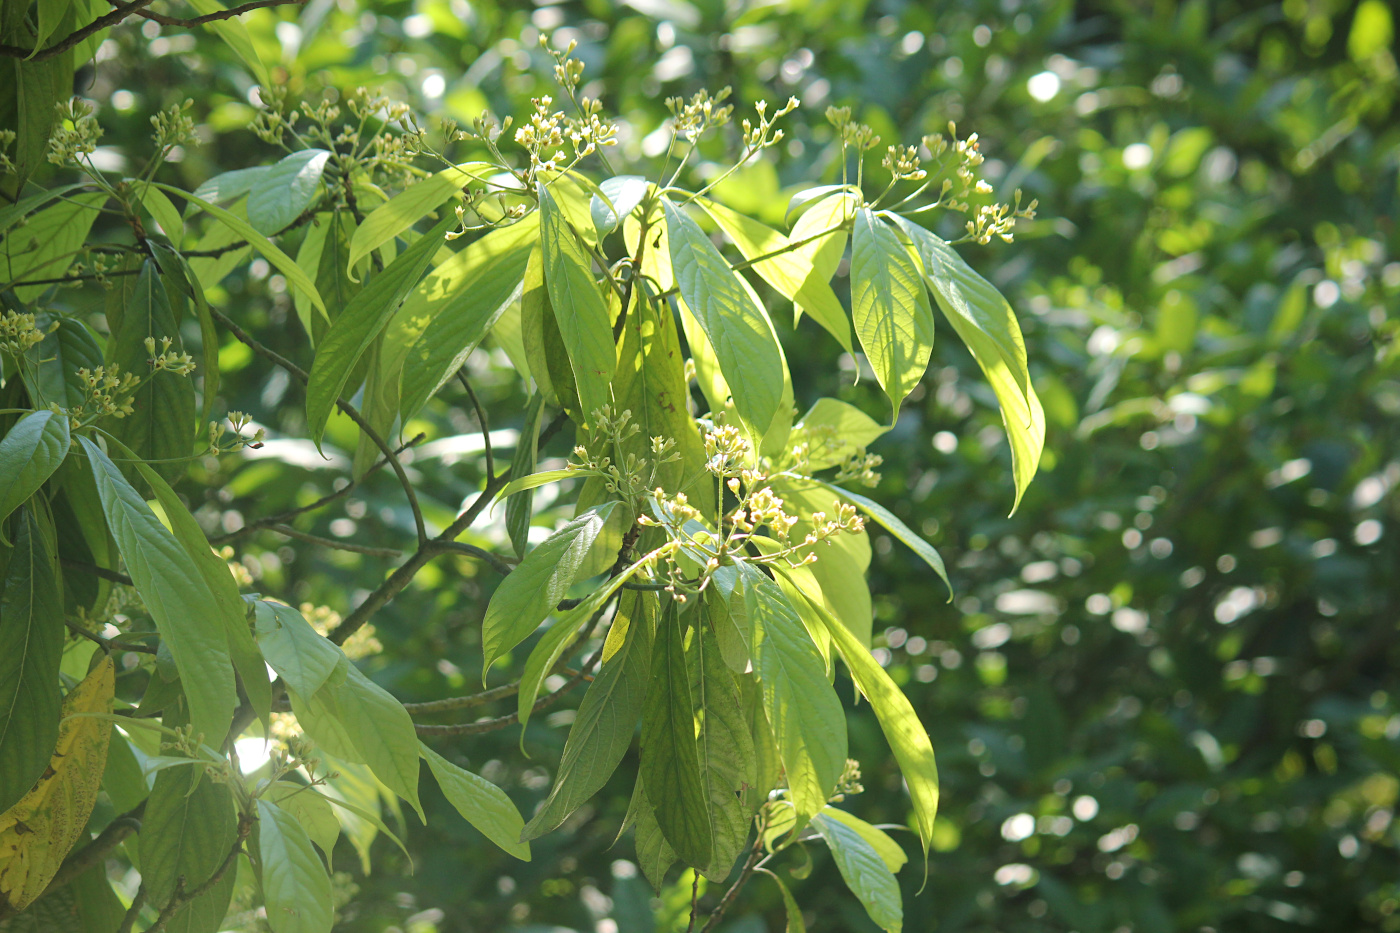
[1164, 696]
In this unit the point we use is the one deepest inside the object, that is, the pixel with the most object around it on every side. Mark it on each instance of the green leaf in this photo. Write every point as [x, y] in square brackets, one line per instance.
[177, 268]
[834, 430]
[175, 594]
[907, 737]
[536, 480]
[725, 750]
[235, 36]
[606, 720]
[11, 214]
[359, 323]
[46, 245]
[33, 89]
[29, 454]
[31, 650]
[801, 275]
[229, 185]
[446, 316]
[188, 829]
[890, 307]
[795, 923]
[985, 322]
[227, 604]
[620, 196]
[279, 260]
[529, 594]
[670, 757]
[353, 793]
[278, 197]
[654, 853]
[580, 308]
[481, 803]
[312, 810]
[808, 723]
[838, 575]
[889, 851]
[864, 872]
[523, 464]
[52, 374]
[411, 205]
[159, 206]
[296, 887]
[299, 654]
[742, 337]
[894, 526]
[378, 731]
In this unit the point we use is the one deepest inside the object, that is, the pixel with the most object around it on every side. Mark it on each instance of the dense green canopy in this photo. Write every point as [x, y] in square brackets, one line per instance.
[1163, 696]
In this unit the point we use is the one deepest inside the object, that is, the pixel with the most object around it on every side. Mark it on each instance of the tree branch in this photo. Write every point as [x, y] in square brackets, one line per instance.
[121, 12]
[215, 16]
[481, 421]
[291, 532]
[95, 851]
[745, 874]
[109, 645]
[180, 898]
[96, 571]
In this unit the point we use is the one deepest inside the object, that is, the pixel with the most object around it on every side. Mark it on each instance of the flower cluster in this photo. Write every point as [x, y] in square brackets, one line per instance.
[727, 451]
[903, 163]
[764, 135]
[859, 467]
[855, 135]
[76, 133]
[544, 132]
[7, 139]
[238, 441]
[704, 111]
[174, 127]
[18, 332]
[848, 785]
[107, 391]
[999, 220]
[630, 475]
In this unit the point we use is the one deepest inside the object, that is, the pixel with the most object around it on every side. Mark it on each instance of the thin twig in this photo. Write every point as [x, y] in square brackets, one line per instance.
[138, 901]
[755, 854]
[115, 833]
[291, 532]
[481, 421]
[96, 571]
[215, 16]
[267, 353]
[694, 900]
[180, 898]
[121, 12]
[109, 645]
[500, 564]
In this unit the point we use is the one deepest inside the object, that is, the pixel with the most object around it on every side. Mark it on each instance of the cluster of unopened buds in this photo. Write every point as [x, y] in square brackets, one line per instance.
[903, 163]
[543, 133]
[763, 135]
[702, 112]
[75, 134]
[107, 392]
[7, 139]
[18, 332]
[174, 126]
[238, 420]
[849, 783]
[167, 360]
[825, 527]
[856, 135]
[727, 451]
[998, 220]
[860, 467]
[763, 509]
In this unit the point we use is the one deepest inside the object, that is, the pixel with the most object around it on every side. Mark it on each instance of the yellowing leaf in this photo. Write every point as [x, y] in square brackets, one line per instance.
[37, 832]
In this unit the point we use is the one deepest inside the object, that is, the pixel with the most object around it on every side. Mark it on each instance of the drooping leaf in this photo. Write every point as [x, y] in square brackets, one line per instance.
[46, 244]
[188, 830]
[795, 923]
[38, 831]
[654, 853]
[808, 723]
[312, 810]
[12, 213]
[300, 655]
[890, 307]
[283, 263]
[579, 307]
[279, 195]
[606, 720]
[864, 871]
[742, 337]
[353, 794]
[889, 851]
[360, 721]
[445, 317]
[160, 208]
[481, 803]
[411, 205]
[725, 750]
[175, 593]
[670, 758]
[160, 429]
[296, 887]
[85, 905]
[52, 376]
[29, 454]
[227, 186]
[985, 322]
[894, 526]
[523, 464]
[359, 323]
[536, 586]
[31, 649]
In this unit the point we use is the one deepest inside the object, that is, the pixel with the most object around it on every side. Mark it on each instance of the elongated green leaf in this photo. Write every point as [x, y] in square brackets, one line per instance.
[227, 605]
[52, 376]
[296, 886]
[283, 263]
[188, 829]
[534, 588]
[411, 205]
[164, 212]
[620, 196]
[838, 575]
[670, 758]
[985, 322]
[808, 723]
[579, 307]
[280, 195]
[311, 809]
[360, 713]
[606, 720]
[795, 923]
[183, 275]
[229, 185]
[32, 92]
[31, 649]
[889, 851]
[803, 274]
[725, 750]
[894, 526]
[523, 464]
[740, 333]
[446, 316]
[536, 480]
[299, 654]
[359, 323]
[654, 853]
[29, 454]
[353, 793]
[481, 803]
[11, 213]
[175, 593]
[46, 245]
[864, 872]
[890, 307]
[560, 635]
[906, 735]
[235, 36]
[833, 430]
